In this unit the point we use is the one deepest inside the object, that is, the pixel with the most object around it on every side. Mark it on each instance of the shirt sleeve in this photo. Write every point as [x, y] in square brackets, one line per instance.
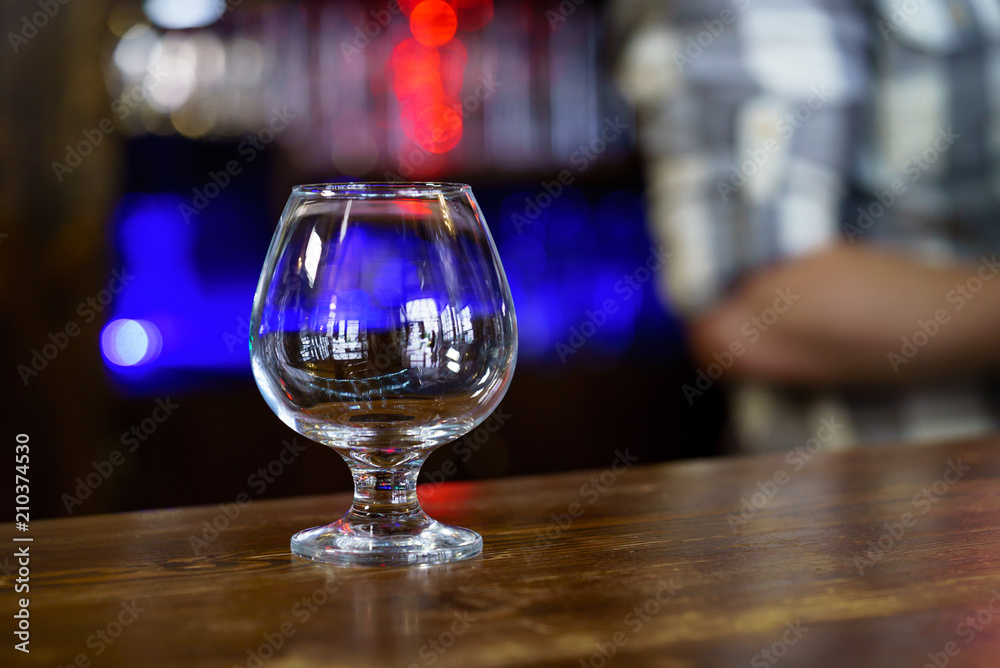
[752, 120]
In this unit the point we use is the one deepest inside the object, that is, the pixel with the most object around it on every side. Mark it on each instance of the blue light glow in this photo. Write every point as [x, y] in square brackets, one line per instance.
[188, 306]
[570, 261]
[192, 312]
[130, 342]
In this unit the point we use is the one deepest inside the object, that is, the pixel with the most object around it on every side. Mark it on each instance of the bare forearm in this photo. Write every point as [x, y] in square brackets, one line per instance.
[860, 317]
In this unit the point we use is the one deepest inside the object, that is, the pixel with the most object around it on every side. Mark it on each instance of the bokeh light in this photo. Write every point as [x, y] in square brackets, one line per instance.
[428, 73]
[180, 14]
[452, 58]
[178, 58]
[408, 5]
[438, 128]
[433, 22]
[126, 342]
[474, 14]
[415, 70]
[133, 53]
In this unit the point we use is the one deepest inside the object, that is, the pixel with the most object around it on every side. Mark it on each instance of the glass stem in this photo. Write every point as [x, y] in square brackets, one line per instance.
[380, 493]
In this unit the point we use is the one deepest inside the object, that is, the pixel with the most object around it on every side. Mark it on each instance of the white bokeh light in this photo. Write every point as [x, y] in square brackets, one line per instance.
[127, 342]
[180, 14]
[175, 56]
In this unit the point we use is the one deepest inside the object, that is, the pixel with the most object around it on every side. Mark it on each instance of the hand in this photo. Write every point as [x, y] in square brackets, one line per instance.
[846, 311]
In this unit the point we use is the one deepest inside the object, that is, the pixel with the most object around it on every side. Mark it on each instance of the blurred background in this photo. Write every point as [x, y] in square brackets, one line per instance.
[147, 150]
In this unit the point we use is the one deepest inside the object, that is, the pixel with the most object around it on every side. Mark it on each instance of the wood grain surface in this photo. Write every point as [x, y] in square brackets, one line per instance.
[879, 557]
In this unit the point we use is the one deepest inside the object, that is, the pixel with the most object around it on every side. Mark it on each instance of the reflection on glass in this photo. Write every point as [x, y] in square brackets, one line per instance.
[383, 327]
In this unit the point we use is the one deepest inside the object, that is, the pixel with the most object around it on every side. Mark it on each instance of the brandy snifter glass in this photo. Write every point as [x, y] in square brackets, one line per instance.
[383, 327]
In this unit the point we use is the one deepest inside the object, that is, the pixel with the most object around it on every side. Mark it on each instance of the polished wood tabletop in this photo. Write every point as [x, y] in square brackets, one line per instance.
[877, 557]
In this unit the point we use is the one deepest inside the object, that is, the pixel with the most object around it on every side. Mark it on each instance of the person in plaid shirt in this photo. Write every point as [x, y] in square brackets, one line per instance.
[826, 174]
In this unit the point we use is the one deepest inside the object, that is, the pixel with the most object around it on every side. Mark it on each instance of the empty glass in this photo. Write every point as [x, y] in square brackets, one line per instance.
[383, 327]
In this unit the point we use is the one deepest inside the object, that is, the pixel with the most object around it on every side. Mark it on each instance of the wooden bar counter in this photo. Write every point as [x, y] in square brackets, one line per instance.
[878, 557]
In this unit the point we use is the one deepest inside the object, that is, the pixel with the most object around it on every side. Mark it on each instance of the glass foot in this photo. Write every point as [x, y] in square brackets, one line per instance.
[349, 542]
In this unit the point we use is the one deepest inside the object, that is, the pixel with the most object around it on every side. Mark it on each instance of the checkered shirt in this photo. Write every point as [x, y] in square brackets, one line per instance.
[772, 128]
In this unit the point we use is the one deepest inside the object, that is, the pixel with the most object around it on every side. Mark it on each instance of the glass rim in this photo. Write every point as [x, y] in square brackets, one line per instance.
[365, 189]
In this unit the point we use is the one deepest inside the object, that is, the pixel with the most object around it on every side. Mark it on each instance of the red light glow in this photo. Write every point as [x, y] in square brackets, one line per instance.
[474, 14]
[414, 207]
[408, 5]
[427, 72]
[415, 69]
[433, 22]
[453, 58]
[438, 128]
